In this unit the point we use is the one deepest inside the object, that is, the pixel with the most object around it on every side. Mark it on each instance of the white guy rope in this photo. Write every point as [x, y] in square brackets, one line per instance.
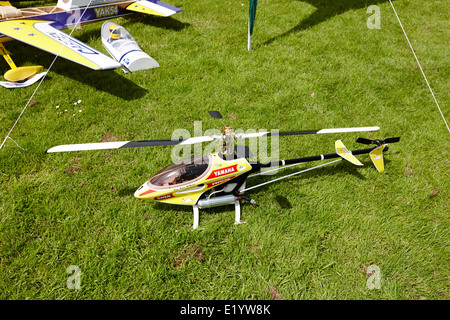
[39, 84]
[420, 67]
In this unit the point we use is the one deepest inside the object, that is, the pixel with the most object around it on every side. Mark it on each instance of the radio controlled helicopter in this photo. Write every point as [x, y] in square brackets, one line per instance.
[219, 179]
[41, 27]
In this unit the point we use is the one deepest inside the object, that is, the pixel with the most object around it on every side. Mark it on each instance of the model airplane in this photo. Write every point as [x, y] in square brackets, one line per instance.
[41, 27]
[219, 179]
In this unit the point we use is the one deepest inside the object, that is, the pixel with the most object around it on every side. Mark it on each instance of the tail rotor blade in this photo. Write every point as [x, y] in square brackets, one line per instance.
[364, 141]
[378, 142]
[392, 140]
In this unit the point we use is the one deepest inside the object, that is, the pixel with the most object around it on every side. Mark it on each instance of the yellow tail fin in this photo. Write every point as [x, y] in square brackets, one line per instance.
[344, 153]
[377, 157]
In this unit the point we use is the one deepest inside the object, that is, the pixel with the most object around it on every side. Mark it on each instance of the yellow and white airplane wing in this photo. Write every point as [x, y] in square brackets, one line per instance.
[41, 34]
[158, 9]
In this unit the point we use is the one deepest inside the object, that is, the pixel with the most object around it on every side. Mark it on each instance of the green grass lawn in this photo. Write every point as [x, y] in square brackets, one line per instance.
[314, 64]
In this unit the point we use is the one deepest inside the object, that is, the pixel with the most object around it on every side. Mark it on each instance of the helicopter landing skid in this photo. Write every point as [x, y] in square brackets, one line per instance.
[237, 216]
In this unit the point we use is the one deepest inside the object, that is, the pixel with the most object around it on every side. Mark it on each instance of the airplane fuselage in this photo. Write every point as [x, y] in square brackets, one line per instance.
[63, 19]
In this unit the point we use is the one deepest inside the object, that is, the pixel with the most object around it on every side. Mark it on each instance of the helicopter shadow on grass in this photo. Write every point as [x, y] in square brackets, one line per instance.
[126, 192]
[225, 212]
[325, 10]
[283, 202]
[188, 209]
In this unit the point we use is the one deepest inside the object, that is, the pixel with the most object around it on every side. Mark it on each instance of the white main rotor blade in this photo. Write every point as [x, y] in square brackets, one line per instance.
[172, 142]
[129, 144]
[335, 130]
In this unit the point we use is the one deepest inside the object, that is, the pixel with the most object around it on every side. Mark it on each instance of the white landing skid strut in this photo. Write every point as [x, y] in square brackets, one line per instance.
[237, 216]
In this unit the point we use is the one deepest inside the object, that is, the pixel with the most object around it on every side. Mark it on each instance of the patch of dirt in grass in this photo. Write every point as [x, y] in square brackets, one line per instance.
[275, 295]
[109, 137]
[74, 168]
[184, 256]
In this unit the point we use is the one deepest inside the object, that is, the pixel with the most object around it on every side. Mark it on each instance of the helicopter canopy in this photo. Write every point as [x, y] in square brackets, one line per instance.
[182, 172]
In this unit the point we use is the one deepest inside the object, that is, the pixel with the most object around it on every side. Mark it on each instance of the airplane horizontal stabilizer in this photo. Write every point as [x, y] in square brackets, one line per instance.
[156, 8]
[22, 73]
[26, 83]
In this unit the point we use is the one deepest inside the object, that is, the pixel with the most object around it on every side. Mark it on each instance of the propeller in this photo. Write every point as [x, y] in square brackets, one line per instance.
[171, 142]
[130, 144]
[378, 142]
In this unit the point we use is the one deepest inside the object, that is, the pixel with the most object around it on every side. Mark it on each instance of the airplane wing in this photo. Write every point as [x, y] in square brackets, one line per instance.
[157, 8]
[41, 34]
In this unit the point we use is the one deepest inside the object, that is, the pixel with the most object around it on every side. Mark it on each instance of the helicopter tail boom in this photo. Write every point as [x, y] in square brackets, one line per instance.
[375, 153]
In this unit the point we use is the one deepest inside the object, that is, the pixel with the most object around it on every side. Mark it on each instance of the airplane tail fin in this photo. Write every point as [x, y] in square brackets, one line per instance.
[342, 151]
